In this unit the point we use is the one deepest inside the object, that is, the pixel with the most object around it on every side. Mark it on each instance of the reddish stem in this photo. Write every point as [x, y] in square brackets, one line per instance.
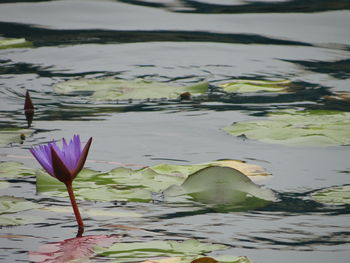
[75, 208]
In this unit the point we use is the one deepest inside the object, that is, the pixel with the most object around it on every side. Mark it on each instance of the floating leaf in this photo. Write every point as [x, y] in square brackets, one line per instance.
[14, 169]
[222, 186]
[298, 128]
[117, 89]
[78, 249]
[14, 43]
[15, 220]
[13, 135]
[118, 184]
[246, 86]
[12, 205]
[339, 195]
[131, 252]
[131, 185]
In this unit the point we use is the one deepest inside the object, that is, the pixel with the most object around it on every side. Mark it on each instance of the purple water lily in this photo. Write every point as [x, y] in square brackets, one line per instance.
[64, 164]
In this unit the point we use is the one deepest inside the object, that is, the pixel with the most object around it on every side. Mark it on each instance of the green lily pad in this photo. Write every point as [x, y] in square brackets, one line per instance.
[15, 220]
[10, 204]
[247, 86]
[13, 135]
[219, 185]
[10, 208]
[125, 184]
[117, 89]
[298, 128]
[14, 169]
[14, 43]
[118, 184]
[334, 195]
[129, 252]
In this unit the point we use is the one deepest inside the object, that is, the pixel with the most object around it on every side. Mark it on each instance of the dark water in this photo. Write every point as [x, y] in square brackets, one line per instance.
[183, 42]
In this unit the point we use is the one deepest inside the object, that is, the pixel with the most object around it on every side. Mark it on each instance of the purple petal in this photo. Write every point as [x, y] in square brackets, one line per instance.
[43, 156]
[82, 158]
[60, 169]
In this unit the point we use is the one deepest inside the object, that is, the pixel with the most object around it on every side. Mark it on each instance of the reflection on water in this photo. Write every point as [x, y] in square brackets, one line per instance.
[183, 42]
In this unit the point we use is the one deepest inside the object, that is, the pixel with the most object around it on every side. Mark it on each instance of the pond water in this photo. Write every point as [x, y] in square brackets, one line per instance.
[181, 43]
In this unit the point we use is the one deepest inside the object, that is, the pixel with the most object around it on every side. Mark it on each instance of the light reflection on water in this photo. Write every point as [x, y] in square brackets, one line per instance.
[182, 42]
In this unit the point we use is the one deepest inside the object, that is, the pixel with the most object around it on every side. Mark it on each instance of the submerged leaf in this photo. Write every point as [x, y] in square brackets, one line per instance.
[339, 195]
[298, 128]
[246, 86]
[13, 135]
[117, 89]
[14, 43]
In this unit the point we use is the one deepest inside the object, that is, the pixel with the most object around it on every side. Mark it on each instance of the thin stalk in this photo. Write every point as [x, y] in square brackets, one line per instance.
[75, 209]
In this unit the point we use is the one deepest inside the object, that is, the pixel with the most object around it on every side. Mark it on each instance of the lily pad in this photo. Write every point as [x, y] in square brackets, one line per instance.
[10, 208]
[14, 169]
[13, 135]
[10, 204]
[222, 186]
[298, 128]
[125, 184]
[119, 184]
[339, 195]
[131, 252]
[248, 86]
[14, 43]
[117, 89]
[15, 220]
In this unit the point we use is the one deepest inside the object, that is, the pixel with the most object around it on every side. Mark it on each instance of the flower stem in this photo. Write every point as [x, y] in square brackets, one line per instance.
[75, 208]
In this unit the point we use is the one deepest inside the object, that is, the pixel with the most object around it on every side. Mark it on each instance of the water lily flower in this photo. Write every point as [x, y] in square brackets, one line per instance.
[64, 164]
